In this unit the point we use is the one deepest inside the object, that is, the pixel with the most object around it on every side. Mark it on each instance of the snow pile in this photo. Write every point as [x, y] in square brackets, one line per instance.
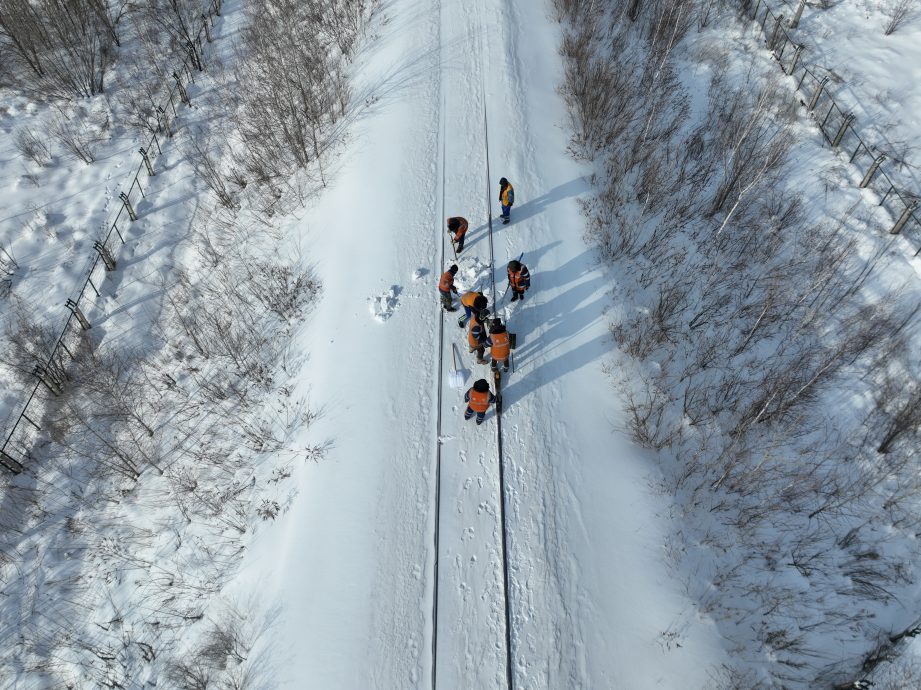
[383, 306]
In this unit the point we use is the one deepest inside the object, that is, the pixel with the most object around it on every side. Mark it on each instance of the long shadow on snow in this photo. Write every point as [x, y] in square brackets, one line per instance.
[530, 209]
[578, 308]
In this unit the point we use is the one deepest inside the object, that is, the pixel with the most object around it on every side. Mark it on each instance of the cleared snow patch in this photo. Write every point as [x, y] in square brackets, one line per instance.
[383, 306]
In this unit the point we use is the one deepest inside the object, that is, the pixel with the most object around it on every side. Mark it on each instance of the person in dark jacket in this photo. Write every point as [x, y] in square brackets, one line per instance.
[506, 199]
[457, 226]
[519, 279]
[477, 337]
[446, 288]
[478, 399]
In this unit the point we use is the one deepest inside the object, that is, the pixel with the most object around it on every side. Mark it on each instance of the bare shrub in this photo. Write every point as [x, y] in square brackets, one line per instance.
[180, 20]
[32, 147]
[293, 84]
[198, 150]
[78, 141]
[63, 45]
[899, 14]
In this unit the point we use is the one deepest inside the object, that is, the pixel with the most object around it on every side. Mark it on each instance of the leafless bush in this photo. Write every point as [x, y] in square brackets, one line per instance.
[77, 139]
[32, 147]
[900, 12]
[34, 344]
[752, 144]
[284, 290]
[293, 85]
[180, 20]
[61, 48]
[208, 169]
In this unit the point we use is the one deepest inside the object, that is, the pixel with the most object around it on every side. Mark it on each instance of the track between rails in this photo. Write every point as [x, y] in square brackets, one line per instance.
[506, 579]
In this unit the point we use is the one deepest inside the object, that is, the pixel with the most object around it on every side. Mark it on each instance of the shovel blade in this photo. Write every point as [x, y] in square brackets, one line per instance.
[455, 379]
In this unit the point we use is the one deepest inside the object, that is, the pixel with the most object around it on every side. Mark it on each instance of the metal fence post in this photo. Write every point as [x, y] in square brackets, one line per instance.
[798, 14]
[848, 119]
[75, 310]
[817, 94]
[906, 214]
[872, 171]
[105, 255]
[143, 152]
[128, 207]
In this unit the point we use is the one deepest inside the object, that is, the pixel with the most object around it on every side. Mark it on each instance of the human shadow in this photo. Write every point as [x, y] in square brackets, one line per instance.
[529, 209]
[578, 308]
[533, 207]
[531, 258]
[524, 319]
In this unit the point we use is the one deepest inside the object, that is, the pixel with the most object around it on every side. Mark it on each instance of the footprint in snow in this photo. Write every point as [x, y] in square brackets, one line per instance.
[383, 306]
[420, 273]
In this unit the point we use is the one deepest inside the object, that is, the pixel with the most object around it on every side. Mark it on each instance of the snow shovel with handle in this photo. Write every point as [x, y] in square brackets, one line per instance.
[455, 377]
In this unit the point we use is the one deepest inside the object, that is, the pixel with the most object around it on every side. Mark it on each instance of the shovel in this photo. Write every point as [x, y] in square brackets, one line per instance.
[455, 377]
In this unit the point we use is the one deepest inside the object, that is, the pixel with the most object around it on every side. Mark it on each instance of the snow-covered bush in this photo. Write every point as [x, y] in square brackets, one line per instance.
[763, 332]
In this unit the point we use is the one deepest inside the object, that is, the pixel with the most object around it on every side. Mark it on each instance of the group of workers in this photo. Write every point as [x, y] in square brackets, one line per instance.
[483, 332]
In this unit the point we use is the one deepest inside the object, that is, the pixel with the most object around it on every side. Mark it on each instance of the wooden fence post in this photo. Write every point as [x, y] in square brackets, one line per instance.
[10, 463]
[798, 14]
[105, 255]
[848, 119]
[817, 94]
[75, 310]
[872, 171]
[150, 170]
[128, 207]
[906, 214]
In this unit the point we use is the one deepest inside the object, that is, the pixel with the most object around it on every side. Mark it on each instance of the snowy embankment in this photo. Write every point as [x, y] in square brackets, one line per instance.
[765, 316]
[174, 436]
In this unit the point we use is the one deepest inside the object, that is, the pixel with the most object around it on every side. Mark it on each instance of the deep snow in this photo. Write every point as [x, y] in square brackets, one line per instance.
[351, 565]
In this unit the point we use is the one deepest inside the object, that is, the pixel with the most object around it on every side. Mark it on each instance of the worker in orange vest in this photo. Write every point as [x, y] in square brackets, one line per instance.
[519, 279]
[499, 345]
[478, 399]
[474, 303]
[458, 226]
[446, 288]
[477, 337]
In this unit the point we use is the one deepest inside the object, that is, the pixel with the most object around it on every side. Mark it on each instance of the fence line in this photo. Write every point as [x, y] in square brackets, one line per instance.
[837, 126]
[835, 123]
[52, 376]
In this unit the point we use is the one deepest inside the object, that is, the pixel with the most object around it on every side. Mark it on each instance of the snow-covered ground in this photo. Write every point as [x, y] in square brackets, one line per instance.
[352, 564]
[381, 564]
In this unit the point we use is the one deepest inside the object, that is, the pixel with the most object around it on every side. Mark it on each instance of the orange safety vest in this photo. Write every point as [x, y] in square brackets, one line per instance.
[479, 402]
[468, 297]
[515, 279]
[500, 345]
[471, 339]
[461, 229]
[446, 282]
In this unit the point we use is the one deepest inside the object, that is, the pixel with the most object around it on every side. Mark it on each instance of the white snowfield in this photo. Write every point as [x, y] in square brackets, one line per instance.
[352, 566]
